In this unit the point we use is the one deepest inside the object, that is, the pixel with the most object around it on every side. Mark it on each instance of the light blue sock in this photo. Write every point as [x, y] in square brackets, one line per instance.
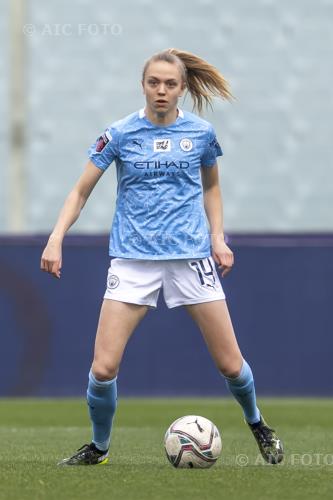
[242, 387]
[102, 403]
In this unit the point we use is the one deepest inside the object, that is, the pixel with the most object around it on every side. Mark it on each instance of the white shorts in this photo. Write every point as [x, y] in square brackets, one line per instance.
[184, 281]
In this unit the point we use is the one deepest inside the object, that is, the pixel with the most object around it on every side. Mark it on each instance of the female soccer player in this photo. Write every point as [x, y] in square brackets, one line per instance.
[167, 181]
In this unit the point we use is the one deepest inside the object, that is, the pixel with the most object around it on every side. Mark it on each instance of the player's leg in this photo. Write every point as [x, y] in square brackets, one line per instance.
[214, 322]
[132, 286]
[116, 323]
[195, 284]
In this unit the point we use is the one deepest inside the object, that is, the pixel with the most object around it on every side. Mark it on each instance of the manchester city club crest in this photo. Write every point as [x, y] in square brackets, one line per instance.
[186, 144]
[113, 281]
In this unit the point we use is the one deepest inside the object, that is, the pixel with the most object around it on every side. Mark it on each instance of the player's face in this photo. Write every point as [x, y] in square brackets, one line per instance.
[162, 86]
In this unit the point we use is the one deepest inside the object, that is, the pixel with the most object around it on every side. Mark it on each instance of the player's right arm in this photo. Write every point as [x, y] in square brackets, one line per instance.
[52, 255]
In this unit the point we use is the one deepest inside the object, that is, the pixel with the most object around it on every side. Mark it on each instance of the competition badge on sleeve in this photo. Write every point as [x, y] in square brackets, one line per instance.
[102, 141]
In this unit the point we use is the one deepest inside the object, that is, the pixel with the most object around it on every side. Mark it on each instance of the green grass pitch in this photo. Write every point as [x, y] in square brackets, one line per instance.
[35, 434]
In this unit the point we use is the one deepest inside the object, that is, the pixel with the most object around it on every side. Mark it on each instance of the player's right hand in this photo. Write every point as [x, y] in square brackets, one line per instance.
[51, 260]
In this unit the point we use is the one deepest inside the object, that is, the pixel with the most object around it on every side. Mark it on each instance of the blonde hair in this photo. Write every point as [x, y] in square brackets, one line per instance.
[203, 80]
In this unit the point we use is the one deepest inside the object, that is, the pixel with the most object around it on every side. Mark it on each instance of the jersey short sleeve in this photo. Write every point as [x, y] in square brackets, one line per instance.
[212, 150]
[105, 149]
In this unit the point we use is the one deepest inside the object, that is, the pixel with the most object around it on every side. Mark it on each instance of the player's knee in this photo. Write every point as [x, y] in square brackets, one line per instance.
[230, 373]
[103, 371]
[231, 369]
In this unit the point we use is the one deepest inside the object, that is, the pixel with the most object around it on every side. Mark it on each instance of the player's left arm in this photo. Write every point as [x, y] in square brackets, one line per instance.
[221, 253]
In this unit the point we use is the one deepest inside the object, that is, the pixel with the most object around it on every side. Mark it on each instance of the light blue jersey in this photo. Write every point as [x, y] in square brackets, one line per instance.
[159, 209]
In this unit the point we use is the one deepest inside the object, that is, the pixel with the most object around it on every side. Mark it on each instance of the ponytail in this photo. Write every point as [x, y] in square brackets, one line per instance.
[203, 80]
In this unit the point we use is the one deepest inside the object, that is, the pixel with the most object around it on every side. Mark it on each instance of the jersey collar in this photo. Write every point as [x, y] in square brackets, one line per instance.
[142, 113]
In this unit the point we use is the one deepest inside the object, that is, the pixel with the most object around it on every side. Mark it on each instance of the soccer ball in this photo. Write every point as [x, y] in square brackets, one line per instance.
[192, 442]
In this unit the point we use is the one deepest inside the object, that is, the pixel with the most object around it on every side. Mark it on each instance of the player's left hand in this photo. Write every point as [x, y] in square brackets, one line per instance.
[222, 255]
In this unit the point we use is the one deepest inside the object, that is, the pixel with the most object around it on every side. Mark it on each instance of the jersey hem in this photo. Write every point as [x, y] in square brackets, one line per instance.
[159, 257]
